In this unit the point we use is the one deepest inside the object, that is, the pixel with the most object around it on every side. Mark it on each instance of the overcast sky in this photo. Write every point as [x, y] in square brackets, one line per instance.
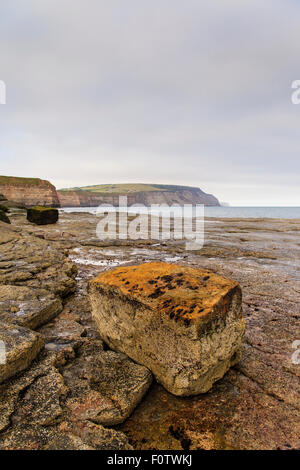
[163, 91]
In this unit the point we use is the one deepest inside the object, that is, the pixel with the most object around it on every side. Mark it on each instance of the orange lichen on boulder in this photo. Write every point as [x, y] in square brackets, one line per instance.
[181, 293]
[184, 324]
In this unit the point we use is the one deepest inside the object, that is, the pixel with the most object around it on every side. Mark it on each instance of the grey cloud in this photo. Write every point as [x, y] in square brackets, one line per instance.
[164, 91]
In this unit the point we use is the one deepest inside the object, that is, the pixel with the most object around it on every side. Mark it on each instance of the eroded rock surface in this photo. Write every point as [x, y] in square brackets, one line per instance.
[33, 279]
[35, 263]
[20, 347]
[254, 406]
[48, 396]
[105, 386]
[185, 324]
[27, 307]
[35, 406]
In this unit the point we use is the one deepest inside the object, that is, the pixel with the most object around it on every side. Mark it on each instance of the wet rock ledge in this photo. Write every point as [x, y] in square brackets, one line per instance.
[34, 279]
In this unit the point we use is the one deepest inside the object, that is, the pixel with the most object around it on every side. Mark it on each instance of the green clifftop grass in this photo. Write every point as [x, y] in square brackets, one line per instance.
[16, 181]
[128, 188]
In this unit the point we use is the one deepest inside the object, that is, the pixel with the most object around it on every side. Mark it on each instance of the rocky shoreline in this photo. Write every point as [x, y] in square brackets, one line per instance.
[78, 394]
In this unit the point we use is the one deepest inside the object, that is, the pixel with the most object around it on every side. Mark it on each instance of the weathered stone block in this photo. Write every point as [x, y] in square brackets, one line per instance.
[184, 324]
[19, 346]
[42, 215]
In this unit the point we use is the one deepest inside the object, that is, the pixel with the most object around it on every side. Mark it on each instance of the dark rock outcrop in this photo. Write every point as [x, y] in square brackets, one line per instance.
[42, 215]
[3, 217]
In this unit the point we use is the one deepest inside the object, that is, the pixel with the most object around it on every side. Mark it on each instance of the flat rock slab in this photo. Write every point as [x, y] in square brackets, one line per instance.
[19, 347]
[184, 324]
[105, 386]
[27, 307]
[62, 332]
[33, 262]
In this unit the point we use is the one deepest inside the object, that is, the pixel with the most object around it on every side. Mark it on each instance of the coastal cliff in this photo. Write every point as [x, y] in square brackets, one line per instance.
[29, 191]
[93, 196]
[34, 191]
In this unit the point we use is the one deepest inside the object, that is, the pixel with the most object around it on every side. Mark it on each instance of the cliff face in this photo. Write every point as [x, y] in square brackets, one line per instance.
[34, 191]
[180, 196]
[29, 191]
[80, 198]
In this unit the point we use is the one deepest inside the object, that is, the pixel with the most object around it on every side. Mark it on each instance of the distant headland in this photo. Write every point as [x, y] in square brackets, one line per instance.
[35, 191]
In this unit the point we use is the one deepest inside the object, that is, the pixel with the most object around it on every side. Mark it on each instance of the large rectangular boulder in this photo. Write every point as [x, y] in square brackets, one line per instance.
[184, 324]
[40, 215]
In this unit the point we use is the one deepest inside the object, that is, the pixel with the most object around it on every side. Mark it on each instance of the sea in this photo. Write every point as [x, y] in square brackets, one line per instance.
[216, 212]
